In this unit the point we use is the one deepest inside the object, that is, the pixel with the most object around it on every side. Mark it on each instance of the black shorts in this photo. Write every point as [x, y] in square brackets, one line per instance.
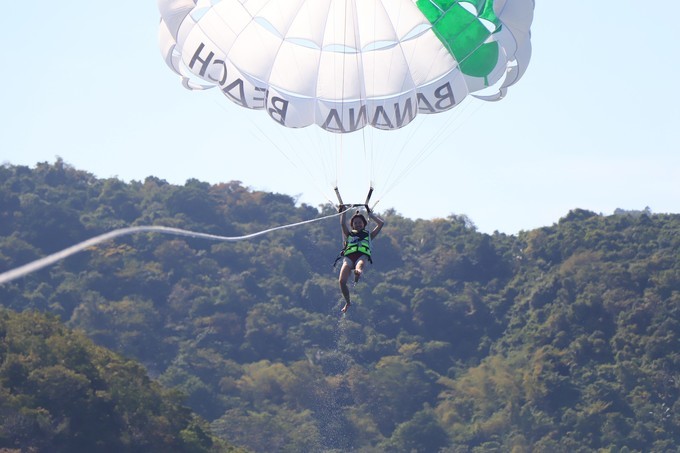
[354, 257]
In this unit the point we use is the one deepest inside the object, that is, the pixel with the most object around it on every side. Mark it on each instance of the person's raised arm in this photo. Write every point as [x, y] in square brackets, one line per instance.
[343, 220]
[379, 224]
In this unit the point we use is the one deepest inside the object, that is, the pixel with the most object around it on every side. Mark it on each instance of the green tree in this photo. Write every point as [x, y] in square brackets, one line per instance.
[420, 434]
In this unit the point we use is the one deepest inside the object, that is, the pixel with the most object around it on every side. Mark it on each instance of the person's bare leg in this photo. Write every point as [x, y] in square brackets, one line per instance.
[359, 269]
[342, 279]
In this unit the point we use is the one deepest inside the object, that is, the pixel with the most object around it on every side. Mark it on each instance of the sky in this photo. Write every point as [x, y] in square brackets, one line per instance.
[591, 125]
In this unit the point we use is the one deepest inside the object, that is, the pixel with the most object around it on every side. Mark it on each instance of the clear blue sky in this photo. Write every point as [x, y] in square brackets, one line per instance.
[592, 125]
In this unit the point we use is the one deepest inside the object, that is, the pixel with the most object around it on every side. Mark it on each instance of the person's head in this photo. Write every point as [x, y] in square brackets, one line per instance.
[358, 221]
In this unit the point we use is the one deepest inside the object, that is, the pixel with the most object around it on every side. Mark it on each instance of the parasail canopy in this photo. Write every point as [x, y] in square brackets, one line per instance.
[345, 64]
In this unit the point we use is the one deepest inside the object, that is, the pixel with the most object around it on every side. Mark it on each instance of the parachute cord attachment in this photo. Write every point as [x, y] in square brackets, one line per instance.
[337, 194]
[342, 206]
[368, 198]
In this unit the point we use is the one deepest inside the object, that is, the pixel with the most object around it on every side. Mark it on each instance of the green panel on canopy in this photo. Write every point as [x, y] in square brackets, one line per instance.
[464, 34]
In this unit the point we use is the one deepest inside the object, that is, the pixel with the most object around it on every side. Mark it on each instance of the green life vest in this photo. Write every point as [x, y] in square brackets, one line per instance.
[358, 241]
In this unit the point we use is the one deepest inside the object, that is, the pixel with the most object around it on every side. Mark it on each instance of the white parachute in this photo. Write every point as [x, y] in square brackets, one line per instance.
[345, 64]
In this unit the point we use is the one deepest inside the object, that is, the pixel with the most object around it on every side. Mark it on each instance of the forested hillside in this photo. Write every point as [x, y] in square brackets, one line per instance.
[560, 339]
[61, 393]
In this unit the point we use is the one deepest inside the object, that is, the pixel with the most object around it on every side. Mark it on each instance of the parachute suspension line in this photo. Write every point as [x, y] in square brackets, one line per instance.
[36, 265]
[298, 163]
[324, 156]
[391, 183]
[339, 141]
[390, 180]
[424, 151]
[436, 140]
[339, 155]
[399, 156]
[453, 124]
[462, 115]
[370, 152]
[379, 152]
[298, 148]
[369, 157]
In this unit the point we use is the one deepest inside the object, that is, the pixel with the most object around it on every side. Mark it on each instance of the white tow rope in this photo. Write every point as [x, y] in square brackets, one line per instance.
[33, 266]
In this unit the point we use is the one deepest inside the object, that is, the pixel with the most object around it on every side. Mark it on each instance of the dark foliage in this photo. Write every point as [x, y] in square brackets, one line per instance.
[563, 338]
[61, 393]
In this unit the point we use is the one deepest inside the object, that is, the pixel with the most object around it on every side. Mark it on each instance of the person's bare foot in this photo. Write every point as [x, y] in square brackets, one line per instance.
[344, 309]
